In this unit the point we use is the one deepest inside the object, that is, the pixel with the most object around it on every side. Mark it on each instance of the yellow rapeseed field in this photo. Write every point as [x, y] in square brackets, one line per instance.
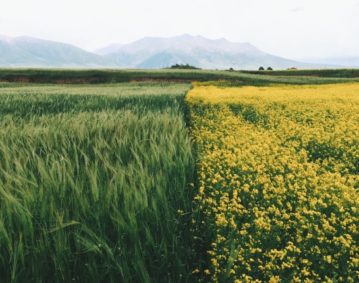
[278, 174]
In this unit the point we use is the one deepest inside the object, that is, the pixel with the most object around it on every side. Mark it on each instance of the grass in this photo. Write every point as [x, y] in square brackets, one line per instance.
[175, 75]
[323, 73]
[94, 183]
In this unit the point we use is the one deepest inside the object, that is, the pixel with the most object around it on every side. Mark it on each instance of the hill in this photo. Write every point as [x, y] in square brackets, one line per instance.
[146, 53]
[155, 52]
[32, 52]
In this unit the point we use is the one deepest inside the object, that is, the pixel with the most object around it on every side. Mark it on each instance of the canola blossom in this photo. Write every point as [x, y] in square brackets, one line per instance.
[278, 178]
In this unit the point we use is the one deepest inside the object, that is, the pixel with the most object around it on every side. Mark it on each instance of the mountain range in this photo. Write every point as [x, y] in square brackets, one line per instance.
[149, 52]
[349, 61]
[31, 52]
[152, 52]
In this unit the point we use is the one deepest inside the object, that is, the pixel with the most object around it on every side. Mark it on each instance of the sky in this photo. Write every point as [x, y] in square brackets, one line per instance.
[289, 28]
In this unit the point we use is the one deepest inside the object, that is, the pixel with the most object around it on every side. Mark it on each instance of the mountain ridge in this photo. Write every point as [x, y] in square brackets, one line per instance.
[147, 53]
[24, 51]
[157, 52]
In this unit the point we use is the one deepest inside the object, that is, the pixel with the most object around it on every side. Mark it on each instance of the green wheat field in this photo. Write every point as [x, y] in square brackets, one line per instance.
[100, 179]
[92, 180]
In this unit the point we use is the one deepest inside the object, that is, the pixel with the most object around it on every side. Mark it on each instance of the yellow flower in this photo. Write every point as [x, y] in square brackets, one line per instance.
[277, 172]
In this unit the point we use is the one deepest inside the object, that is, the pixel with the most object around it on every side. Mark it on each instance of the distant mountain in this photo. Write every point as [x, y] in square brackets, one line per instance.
[149, 52]
[153, 52]
[350, 61]
[32, 52]
[109, 49]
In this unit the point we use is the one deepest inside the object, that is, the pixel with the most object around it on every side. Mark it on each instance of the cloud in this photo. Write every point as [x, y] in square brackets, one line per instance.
[297, 9]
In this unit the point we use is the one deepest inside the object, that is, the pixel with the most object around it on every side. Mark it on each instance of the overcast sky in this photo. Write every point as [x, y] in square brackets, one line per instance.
[292, 28]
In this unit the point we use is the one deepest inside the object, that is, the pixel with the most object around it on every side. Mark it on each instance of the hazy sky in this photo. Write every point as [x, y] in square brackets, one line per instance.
[291, 28]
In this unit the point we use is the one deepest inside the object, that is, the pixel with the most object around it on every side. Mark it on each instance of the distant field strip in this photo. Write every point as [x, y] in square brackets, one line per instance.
[94, 183]
[278, 179]
[61, 76]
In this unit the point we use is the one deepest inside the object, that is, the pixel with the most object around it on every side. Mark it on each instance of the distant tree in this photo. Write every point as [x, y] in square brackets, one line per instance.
[231, 69]
[261, 68]
[183, 66]
[269, 69]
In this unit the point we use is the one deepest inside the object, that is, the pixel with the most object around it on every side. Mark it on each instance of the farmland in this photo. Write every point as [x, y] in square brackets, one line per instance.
[144, 176]
[93, 183]
[81, 76]
[277, 182]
